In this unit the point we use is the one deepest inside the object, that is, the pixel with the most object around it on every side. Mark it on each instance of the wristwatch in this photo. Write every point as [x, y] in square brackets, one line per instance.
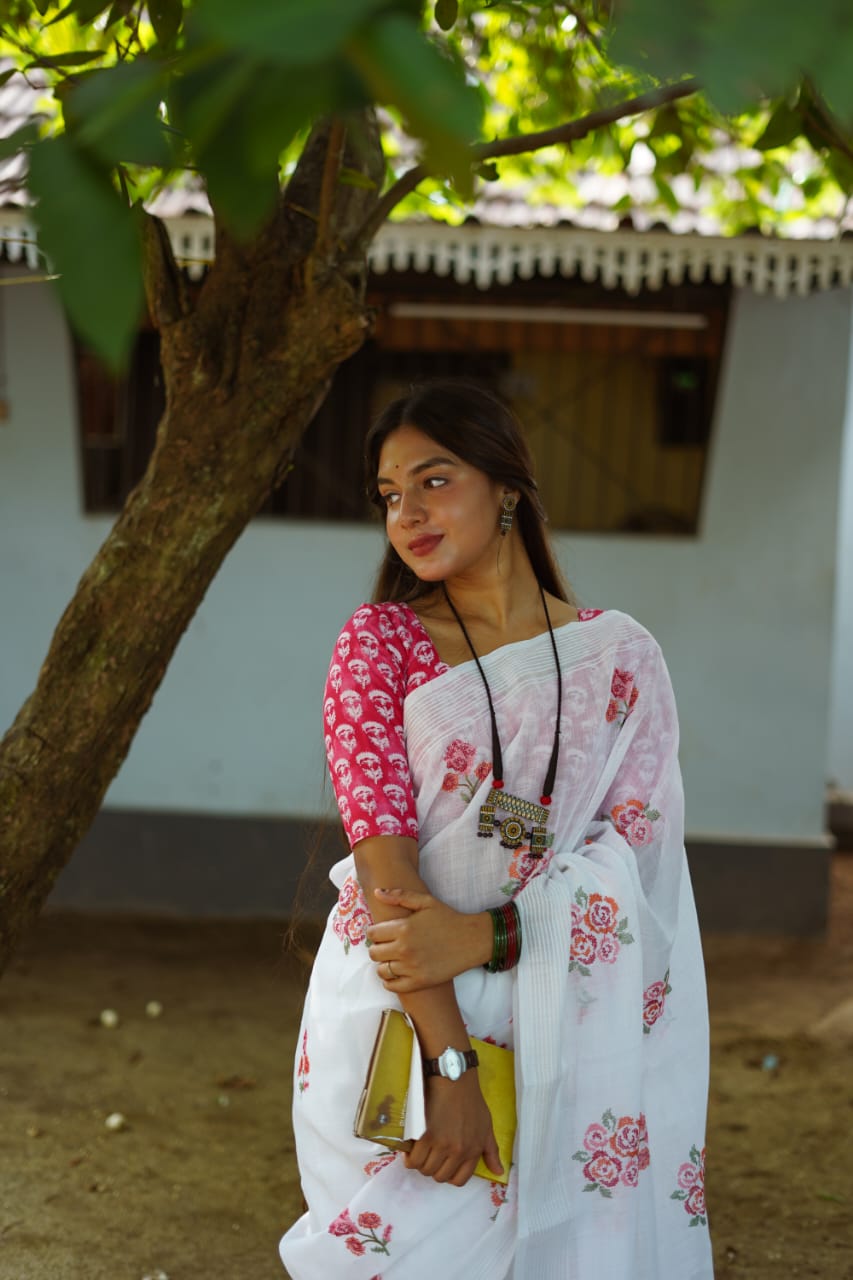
[451, 1064]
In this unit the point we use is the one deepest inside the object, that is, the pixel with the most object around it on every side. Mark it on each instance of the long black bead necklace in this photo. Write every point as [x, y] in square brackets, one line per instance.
[518, 810]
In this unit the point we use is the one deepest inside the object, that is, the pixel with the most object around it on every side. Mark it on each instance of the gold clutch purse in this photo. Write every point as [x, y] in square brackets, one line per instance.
[381, 1114]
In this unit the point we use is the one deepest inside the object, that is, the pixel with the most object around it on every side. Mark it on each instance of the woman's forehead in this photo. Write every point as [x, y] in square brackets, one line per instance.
[408, 449]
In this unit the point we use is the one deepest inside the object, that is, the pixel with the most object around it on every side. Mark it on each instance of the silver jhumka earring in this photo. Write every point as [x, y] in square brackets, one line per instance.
[510, 502]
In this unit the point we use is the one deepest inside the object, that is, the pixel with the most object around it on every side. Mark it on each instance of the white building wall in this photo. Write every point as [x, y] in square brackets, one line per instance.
[841, 711]
[744, 613]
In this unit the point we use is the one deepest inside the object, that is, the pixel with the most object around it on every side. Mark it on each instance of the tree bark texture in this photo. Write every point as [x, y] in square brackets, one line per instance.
[245, 368]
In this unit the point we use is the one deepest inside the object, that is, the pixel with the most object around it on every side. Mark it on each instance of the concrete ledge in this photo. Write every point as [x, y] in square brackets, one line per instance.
[211, 866]
[752, 887]
[200, 865]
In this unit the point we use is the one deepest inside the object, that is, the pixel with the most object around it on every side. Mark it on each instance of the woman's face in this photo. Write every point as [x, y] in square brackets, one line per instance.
[441, 513]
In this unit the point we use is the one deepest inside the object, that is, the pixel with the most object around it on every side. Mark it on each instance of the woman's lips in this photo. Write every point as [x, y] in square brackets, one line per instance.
[424, 545]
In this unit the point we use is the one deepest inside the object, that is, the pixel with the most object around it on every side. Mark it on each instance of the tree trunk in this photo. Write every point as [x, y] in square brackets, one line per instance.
[245, 369]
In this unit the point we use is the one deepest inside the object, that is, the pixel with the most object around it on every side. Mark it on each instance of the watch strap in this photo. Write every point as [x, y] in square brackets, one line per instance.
[432, 1067]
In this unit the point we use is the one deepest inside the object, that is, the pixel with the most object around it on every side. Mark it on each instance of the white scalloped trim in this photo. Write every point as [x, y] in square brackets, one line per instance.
[628, 260]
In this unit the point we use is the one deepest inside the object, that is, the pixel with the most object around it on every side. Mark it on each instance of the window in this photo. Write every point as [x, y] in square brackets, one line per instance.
[616, 395]
[118, 421]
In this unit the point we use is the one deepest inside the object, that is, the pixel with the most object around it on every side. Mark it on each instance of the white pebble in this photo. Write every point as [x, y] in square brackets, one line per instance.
[109, 1018]
[153, 1008]
[115, 1122]
[156, 1275]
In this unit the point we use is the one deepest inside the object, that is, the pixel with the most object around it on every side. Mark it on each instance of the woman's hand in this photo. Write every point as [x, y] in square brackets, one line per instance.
[431, 945]
[459, 1131]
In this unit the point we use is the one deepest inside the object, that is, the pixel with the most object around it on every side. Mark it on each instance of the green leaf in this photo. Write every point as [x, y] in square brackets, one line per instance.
[812, 186]
[97, 250]
[400, 66]
[488, 171]
[581, 1156]
[784, 125]
[591, 1186]
[238, 117]
[627, 938]
[667, 122]
[355, 178]
[292, 33]
[446, 13]
[666, 194]
[841, 168]
[166, 18]
[678, 1195]
[120, 9]
[115, 114]
[85, 11]
[25, 136]
[74, 58]
[6, 76]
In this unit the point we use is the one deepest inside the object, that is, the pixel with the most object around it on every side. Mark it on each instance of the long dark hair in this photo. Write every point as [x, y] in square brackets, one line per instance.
[481, 429]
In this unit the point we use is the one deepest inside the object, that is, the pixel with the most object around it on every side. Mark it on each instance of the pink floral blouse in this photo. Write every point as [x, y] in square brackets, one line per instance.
[382, 654]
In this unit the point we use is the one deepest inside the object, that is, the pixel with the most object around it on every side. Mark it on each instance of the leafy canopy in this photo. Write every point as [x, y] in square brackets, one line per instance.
[138, 95]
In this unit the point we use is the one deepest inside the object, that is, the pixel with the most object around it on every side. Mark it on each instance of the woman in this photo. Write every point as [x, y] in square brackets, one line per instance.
[506, 770]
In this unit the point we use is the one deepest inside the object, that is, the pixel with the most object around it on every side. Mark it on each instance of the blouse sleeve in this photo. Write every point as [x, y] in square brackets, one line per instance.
[363, 716]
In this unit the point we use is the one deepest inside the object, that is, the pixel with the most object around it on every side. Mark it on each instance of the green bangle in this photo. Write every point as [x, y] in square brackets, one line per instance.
[504, 932]
[499, 943]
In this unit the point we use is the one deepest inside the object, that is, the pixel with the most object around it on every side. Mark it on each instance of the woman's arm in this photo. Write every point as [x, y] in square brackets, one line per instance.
[459, 1127]
[426, 941]
[392, 860]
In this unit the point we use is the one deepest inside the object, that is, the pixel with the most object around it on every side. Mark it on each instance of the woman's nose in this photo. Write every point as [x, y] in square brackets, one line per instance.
[411, 509]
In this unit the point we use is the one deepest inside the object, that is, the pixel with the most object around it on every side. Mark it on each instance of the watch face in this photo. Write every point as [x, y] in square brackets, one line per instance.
[452, 1063]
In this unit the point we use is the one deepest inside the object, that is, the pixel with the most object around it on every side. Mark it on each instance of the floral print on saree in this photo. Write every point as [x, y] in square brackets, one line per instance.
[598, 932]
[691, 1187]
[614, 1153]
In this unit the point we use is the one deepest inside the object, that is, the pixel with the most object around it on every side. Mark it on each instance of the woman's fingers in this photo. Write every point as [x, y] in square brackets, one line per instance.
[435, 1161]
[491, 1155]
[463, 1173]
[385, 931]
[411, 899]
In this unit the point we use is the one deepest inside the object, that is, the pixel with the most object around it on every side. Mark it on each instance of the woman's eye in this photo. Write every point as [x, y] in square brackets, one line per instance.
[431, 481]
[389, 498]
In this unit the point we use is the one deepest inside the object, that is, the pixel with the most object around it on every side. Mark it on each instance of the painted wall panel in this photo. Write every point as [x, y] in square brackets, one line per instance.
[841, 711]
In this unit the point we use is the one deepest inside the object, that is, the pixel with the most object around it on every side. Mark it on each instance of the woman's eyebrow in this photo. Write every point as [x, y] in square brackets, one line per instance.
[438, 461]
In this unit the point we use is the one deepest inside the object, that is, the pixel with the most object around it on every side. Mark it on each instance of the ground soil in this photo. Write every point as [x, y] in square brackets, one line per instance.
[202, 1180]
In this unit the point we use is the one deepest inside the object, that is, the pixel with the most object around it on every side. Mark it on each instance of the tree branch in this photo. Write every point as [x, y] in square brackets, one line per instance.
[525, 142]
[164, 288]
[331, 171]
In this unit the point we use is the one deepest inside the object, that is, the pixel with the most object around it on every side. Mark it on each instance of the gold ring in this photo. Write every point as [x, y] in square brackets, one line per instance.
[391, 973]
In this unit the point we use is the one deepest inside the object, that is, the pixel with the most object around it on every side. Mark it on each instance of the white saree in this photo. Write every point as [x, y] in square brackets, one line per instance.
[606, 1010]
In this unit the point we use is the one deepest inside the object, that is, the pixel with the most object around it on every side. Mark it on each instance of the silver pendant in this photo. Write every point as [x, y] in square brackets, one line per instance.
[512, 829]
